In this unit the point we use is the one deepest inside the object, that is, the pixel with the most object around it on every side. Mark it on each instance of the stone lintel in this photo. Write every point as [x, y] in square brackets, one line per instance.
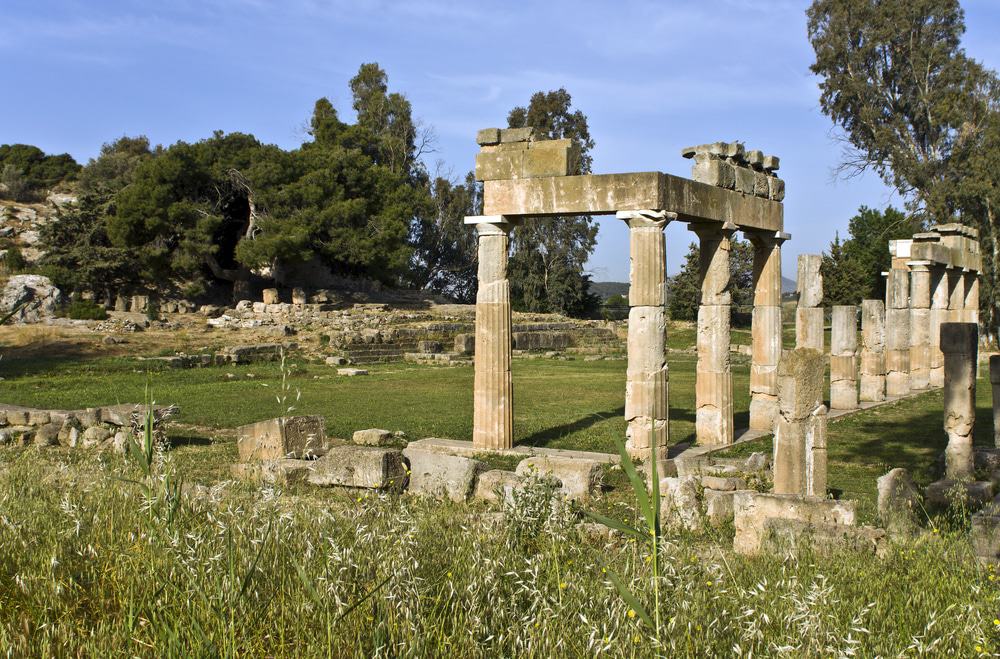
[603, 194]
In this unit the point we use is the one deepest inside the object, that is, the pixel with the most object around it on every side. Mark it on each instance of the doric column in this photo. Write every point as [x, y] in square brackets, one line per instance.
[800, 429]
[956, 295]
[714, 385]
[897, 332]
[938, 315]
[971, 285]
[493, 413]
[843, 358]
[872, 351]
[920, 324]
[809, 311]
[765, 328]
[646, 398]
[960, 345]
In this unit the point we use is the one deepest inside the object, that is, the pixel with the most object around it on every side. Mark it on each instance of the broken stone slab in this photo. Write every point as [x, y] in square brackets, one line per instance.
[680, 503]
[719, 506]
[785, 536]
[947, 492]
[497, 485]
[335, 361]
[723, 484]
[442, 476]
[283, 471]
[898, 497]
[93, 436]
[369, 467]
[351, 372]
[372, 437]
[985, 535]
[580, 478]
[751, 510]
[284, 437]
[48, 435]
[16, 435]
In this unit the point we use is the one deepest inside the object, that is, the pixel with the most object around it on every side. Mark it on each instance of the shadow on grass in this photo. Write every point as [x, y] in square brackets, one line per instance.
[549, 435]
[188, 440]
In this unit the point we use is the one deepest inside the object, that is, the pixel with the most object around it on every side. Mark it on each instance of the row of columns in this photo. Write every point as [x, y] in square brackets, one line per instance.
[646, 390]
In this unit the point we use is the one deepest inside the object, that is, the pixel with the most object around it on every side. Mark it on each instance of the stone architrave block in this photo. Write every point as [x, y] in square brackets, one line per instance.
[441, 475]
[776, 188]
[510, 135]
[714, 171]
[746, 180]
[369, 467]
[581, 478]
[284, 437]
[488, 136]
[751, 510]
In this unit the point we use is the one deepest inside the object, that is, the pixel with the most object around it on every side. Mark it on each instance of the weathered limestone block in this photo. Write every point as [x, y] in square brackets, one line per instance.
[493, 413]
[298, 437]
[956, 295]
[93, 436]
[751, 510]
[986, 536]
[680, 503]
[440, 475]
[843, 360]
[465, 344]
[897, 356]
[960, 344]
[47, 435]
[274, 472]
[723, 483]
[800, 433]
[963, 493]
[299, 296]
[372, 437]
[270, 296]
[497, 485]
[369, 467]
[899, 499]
[789, 535]
[541, 158]
[995, 389]
[809, 328]
[581, 478]
[719, 506]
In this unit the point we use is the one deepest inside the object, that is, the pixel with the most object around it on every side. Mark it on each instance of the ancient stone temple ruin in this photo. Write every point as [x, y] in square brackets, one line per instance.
[526, 179]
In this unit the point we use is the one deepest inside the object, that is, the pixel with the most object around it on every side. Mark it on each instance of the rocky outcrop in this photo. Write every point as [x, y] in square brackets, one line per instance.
[33, 298]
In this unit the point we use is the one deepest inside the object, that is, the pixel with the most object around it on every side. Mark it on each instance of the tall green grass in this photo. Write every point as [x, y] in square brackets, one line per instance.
[90, 567]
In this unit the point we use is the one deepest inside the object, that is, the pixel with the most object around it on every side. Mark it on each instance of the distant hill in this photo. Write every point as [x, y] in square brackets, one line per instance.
[787, 285]
[606, 289]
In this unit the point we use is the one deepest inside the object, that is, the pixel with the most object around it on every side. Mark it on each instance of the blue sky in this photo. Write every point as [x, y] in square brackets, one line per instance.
[652, 76]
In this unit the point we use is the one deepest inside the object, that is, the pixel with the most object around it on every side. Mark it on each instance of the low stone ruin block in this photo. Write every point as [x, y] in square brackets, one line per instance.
[48, 435]
[787, 535]
[680, 503]
[723, 484]
[751, 510]
[284, 437]
[986, 536]
[17, 417]
[946, 493]
[898, 497]
[441, 475]
[270, 296]
[372, 437]
[497, 485]
[16, 435]
[369, 467]
[336, 361]
[273, 472]
[432, 347]
[719, 506]
[581, 478]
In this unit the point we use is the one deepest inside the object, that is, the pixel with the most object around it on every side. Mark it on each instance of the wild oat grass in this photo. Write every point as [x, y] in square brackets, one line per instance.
[93, 565]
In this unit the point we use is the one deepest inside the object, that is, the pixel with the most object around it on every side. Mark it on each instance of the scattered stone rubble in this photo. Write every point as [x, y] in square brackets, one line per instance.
[103, 427]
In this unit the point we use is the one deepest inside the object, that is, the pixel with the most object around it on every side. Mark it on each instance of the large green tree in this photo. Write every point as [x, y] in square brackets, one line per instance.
[684, 288]
[548, 256]
[895, 79]
[26, 171]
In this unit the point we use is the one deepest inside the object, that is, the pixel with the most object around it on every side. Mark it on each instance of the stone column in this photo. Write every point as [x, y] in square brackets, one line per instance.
[843, 358]
[956, 295]
[714, 384]
[493, 407]
[765, 328]
[995, 388]
[800, 430]
[938, 315]
[897, 333]
[959, 342]
[646, 400]
[971, 285]
[809, 312]
[920, 325]
[872, 351]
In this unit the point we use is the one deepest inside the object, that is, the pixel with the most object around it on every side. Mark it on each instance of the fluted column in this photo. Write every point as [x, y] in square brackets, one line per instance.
[956, 295]
[897, 332]
[646, 385]
[765, 328]
[714, 383]
[872, 351]
[971, 285]
[938, 315]
[844, 358]
[920, 324]
[809, 310]
[493, 413]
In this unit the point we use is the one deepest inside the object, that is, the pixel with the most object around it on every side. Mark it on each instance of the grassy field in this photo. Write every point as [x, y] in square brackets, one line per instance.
[97, 560]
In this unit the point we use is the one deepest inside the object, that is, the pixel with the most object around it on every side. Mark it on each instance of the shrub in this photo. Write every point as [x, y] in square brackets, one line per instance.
[86, 310]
